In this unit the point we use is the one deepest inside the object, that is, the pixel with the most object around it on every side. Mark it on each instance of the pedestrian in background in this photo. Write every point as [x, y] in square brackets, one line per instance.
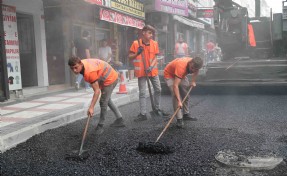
[180, 49]
[82, 46]
[105, 51]
[210, 46]
[103, 79]
[175, 77]
[147, 48]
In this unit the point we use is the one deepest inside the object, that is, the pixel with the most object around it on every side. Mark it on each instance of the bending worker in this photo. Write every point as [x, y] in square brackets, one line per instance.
[175, 76]
[103, 79]
[147, 49]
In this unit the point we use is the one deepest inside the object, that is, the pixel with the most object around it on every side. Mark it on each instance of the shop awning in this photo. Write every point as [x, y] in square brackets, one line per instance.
[119, 18]
[188, 22]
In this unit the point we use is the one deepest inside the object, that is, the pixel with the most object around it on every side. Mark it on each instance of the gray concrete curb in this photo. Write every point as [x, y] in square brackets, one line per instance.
[10, 140]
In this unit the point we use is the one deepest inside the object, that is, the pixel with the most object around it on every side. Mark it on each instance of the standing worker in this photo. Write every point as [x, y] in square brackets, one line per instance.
[180, 49]
[103, 79]
[175, 76]
[149, 49]
[82, 46]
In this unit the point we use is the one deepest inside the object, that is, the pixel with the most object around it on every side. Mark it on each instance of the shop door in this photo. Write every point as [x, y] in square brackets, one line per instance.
[3, 81]
[28, 63]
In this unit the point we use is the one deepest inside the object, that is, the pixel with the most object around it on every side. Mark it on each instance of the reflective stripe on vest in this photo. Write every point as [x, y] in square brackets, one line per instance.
[103, 78]
[108, 72]
[137, 60]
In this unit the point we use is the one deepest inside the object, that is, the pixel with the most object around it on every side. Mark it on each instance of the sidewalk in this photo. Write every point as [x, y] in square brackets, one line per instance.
[22, 120]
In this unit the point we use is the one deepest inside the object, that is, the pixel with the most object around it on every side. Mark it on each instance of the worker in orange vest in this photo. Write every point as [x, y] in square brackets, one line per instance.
[149, 49]
[103, 79]
[175, 76]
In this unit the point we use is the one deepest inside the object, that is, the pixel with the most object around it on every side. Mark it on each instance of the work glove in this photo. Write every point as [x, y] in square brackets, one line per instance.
[149, 69]
[140, 50]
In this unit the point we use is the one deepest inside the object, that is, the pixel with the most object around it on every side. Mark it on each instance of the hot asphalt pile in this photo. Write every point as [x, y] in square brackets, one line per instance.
[114, 152]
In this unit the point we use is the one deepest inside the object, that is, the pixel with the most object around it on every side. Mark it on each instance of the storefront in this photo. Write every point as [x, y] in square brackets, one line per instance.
[189, 29]
[4, 91]
[122, 26]
[160, 14]
[24, 47]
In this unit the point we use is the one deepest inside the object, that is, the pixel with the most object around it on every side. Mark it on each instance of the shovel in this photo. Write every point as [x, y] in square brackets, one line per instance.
[156, 147]
[82, 154]
[154, 113]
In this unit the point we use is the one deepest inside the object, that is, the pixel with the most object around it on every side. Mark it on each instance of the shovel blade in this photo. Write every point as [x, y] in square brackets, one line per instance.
[76, 155]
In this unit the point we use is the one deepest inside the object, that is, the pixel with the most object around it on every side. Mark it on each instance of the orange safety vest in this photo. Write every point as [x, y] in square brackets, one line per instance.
[149, 53]
[251, 35]
[177, 68]
[98, 70]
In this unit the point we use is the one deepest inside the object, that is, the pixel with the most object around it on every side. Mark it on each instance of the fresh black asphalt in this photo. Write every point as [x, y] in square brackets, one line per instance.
[254, 125]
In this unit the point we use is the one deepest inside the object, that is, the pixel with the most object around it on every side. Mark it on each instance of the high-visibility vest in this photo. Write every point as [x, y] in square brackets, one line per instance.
[251, 35]
[149, 54]
[177, 68]
[98, 70]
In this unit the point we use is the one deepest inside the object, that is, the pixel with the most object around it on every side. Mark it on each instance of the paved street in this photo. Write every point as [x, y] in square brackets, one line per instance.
[254, 125]
[21, 120]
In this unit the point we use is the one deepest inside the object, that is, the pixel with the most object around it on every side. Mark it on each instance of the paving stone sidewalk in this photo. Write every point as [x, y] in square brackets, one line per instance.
[22, 120]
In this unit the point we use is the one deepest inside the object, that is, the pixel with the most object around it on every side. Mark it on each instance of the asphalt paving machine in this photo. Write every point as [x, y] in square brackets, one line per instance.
[253, 48]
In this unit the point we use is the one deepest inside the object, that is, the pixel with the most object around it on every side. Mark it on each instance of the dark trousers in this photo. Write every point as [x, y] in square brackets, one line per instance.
[106, 101]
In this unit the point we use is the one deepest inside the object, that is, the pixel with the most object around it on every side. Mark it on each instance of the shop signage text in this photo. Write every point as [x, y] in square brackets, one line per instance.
[12, 47]
[98, 2]
[119, 18]
[192, 8]
[132, 7]
[204, 13]
[177, 7]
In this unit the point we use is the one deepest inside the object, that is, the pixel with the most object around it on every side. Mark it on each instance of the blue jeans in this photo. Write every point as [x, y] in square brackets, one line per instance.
[79, 78]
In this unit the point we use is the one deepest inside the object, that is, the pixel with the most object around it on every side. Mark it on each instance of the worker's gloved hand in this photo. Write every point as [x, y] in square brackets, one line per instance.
[149, 69]
[140, 50]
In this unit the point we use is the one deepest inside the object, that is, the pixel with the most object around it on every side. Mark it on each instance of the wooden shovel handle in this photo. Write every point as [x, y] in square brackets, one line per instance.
[171, 119]
[84, 135]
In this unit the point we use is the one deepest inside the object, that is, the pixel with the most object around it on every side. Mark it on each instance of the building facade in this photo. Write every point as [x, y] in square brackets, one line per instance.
[24, 44]
[40, 36]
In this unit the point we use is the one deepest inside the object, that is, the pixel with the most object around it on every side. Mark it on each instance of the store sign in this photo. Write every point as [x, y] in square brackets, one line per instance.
[119, 18]
[192, 8]
[12, 47]
[177, 7]
[98, 2]
[131, 7]
[204, 13]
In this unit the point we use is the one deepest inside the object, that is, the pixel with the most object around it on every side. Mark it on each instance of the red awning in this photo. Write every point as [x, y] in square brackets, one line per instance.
[119, 18]
[98, 2]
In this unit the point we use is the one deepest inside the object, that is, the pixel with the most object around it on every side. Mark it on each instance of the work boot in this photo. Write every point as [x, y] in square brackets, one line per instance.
[188, 117]
[140, 118]
[179, 123]
[118, 123]
[99, 129]
[164, 114]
